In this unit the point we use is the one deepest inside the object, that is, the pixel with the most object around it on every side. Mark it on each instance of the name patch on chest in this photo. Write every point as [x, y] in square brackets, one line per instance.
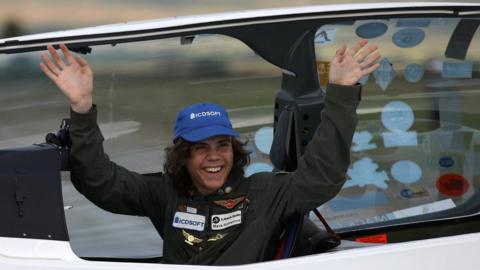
[220, 222]
[189, 221]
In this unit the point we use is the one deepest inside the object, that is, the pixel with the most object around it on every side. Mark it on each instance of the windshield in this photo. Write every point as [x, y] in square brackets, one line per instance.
[416, 148]
[139, 88]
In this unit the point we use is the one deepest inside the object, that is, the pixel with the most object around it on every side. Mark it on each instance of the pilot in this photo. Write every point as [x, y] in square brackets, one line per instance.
[202, 205]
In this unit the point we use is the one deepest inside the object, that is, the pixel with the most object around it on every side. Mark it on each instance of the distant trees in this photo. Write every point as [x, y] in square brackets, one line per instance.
[11, 28]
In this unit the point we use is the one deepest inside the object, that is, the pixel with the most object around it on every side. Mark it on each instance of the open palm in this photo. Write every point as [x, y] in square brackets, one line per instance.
[349, 66]
[73, 77]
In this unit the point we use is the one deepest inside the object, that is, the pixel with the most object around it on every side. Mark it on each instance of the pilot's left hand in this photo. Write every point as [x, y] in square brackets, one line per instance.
[349, 65]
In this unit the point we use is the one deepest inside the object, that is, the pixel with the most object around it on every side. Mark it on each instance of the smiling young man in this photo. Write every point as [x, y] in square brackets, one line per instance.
[205, 150]
[210, 163]
[204, 208]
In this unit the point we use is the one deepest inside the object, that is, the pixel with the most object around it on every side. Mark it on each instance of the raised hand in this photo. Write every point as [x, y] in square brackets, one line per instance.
[73, 77]
[350, 65]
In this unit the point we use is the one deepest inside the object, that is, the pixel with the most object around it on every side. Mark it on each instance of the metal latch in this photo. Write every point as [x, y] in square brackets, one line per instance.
[20, 198]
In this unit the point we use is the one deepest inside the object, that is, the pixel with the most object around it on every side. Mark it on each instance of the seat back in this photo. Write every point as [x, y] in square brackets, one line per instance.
[31, 203]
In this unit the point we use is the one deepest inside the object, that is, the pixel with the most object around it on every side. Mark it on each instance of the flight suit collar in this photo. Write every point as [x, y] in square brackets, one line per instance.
[230, 188]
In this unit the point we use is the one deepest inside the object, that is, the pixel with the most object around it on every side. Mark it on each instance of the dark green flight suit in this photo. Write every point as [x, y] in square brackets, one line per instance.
[242, 221]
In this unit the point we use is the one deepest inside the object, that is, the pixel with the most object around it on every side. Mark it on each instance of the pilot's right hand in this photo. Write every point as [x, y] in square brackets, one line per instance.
[74, 78]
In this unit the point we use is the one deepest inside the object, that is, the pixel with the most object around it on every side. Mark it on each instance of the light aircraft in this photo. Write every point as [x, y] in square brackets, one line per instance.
[410, 200]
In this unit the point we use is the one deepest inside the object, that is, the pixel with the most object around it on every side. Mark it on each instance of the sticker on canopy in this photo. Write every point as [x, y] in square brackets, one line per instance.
[408, 37]
[323, 68]
[446, 162]
[408, 212]
[457, 69]
[371, 30]
[400, 139]
[373, 239]
[264, 139]
[258, 167]
[422, 209]
[413, 22]
[452, 185]
[220, 222]
[413, 73]
[362, 142]
[367, 200]
[414, 192]
[325, 36]
[406, 171]
[364, 172]
[385, 74]
[397, 116]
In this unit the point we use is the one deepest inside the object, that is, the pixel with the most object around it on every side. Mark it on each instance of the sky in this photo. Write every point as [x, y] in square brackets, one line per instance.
[35, 16]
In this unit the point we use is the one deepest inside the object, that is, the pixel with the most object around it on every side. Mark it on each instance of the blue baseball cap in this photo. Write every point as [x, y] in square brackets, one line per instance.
[201, 121]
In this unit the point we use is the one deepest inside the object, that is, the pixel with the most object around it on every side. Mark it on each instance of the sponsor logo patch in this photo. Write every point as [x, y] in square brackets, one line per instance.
[204, 114]
[189, 221]
[220, 222]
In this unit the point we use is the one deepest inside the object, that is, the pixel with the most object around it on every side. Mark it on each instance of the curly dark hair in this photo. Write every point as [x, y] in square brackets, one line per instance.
[178, 153]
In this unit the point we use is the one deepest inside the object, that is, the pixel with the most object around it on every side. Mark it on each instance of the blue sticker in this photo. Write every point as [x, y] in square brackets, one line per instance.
[367, 200]
[413, 73]
[385, 74]
[406, 193]
[400, 138]
[446, 162]
[362, 141]
[325, 36]
[408, 37]
[364, 172]
[406, 171]
[417, 22]
[258, 167]
[371, 30]
[457, 69]
[264, 139]
[414, 192]
[397, 116]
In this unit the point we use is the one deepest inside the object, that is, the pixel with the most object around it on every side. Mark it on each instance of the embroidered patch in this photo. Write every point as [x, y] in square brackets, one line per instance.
[189, 221]
[229, 203]
[220, 222]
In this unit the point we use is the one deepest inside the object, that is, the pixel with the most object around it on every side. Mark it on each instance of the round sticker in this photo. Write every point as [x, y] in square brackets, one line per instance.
[264, 139]
[371, 30]
[406, 193]
[258, 167]
[446, 162]
[452, 184]
[406, 171]
[397, 116]
[413, 73]
[408, 37]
